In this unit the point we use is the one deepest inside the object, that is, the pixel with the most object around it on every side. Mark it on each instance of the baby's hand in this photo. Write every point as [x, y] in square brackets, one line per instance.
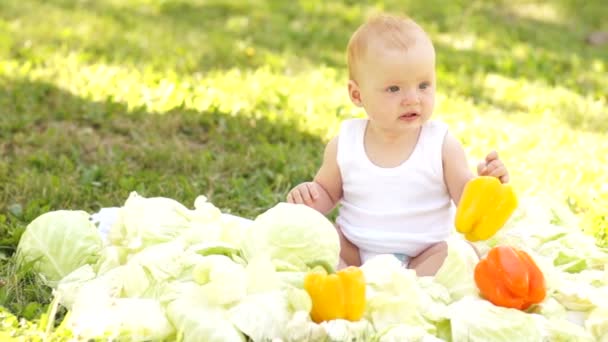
[304, 193]
[493, 167]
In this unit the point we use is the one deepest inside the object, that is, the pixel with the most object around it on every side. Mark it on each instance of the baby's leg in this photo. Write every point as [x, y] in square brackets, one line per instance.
[430, 260]
[349, 253]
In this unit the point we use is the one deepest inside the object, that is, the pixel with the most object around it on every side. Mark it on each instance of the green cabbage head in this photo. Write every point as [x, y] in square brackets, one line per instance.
[293, 235]
[58, 242]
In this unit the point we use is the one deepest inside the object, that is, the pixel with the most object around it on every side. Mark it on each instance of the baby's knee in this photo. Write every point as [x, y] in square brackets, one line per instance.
[349, 253]
[430, 260]
[344, 242]
[439, 247]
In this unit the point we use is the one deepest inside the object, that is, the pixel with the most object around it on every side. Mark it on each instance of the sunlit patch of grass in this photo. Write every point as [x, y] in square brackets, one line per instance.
[556, 104]
[546, 12]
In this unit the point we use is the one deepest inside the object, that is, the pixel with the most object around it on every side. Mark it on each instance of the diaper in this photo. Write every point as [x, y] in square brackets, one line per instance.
[366, 255]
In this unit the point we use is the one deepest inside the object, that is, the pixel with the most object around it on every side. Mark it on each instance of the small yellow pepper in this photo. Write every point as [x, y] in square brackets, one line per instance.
[336, 295]
[485, 206]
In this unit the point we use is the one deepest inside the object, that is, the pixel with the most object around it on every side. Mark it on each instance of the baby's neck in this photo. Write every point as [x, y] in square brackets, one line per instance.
[387, 149]
[385, 137]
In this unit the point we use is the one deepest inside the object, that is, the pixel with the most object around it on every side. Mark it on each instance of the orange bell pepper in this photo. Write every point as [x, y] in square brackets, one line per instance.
[336, 295]
[485, 206]
[509, 277]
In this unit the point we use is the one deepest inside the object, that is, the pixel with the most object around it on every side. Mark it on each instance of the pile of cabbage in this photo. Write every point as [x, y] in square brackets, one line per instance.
[160, 271]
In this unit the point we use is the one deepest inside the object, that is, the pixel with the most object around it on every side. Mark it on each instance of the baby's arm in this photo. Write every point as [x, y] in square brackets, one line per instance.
[324, 192]
[456, 168]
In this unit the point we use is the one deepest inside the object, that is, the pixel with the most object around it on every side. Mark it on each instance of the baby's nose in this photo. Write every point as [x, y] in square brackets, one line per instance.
[409, 98]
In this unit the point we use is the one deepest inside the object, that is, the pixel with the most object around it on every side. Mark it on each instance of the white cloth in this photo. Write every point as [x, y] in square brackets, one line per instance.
[366, 255]
[104, 219]
[403, 209]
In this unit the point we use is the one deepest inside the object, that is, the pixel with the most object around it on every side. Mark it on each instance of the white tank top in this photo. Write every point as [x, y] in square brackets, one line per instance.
[403, 209]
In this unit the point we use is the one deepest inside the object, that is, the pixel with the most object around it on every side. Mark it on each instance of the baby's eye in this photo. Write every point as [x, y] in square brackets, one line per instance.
[424, 85]
[392, 89]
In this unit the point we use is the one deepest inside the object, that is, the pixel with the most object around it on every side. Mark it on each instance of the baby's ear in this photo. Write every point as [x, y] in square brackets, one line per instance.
[354, 93]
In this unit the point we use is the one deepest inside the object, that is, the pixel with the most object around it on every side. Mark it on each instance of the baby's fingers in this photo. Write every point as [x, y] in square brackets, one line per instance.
[493, 155]
[498, 170]
[290, 198]
[490, 167]
[294, 196]
[312, 190]
[494, 168]
[305, 194]
[481, 168]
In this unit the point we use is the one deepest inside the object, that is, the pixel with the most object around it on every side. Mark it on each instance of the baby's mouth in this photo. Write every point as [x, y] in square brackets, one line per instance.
[408, 115]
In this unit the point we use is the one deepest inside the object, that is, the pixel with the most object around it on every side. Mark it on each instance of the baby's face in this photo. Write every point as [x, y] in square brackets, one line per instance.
[397, 86]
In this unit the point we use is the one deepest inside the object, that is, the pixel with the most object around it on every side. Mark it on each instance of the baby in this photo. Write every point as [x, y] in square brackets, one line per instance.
[395, 173]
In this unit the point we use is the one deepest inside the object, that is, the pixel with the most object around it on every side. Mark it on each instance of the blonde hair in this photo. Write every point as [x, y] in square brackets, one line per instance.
[389, 30]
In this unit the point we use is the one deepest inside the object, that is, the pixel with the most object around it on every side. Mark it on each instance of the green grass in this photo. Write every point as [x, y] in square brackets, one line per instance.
[235, 100]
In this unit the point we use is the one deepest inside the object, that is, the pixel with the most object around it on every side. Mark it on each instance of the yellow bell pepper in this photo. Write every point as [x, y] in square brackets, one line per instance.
[336, 295]
[485, 206]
